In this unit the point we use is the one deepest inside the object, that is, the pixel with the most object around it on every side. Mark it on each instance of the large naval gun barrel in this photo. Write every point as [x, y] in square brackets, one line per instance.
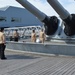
[69, 19]
[51, 23]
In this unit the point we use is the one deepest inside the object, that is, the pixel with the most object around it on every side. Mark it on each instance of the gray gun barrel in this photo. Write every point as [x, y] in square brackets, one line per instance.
[69, 19]
[50, 28]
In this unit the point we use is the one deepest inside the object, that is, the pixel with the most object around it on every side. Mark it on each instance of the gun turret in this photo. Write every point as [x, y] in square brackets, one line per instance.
[51, 23]
[69, 19]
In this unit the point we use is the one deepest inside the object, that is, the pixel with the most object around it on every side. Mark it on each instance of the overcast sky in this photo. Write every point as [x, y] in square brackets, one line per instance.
[42, 5]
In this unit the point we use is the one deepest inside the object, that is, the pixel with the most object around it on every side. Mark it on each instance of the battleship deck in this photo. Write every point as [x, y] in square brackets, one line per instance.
[56, 47]
[21, 63]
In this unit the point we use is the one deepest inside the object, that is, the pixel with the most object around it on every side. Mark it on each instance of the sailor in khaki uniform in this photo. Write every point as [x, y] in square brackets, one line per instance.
[2, 44]
[16, 36]
[42, 36]
[33, 36]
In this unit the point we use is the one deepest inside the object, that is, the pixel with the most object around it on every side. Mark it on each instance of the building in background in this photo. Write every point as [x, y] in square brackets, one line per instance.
[17, 17]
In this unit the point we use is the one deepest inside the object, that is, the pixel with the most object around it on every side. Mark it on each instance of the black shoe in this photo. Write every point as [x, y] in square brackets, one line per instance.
[3, 58]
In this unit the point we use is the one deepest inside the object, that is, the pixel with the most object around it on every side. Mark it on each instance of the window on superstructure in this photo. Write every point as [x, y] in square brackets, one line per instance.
[2, 19]
[15, 19]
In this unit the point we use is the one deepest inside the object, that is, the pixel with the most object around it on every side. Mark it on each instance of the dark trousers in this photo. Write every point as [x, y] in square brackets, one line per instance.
[2, 49]
[16, 39]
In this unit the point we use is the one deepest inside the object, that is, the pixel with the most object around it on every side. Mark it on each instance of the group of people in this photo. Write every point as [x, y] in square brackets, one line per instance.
[33, 36]
[16, 37]
[41, 36]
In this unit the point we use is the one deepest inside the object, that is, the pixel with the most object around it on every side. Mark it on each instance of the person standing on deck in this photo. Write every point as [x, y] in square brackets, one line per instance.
[2, 44]
[33, 36]
[16, 36]
[42, 36]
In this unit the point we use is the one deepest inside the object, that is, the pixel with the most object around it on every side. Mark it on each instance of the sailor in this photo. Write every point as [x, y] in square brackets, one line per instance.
[42, 36]
[2, 44]
[16, 36]
[33, 36]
